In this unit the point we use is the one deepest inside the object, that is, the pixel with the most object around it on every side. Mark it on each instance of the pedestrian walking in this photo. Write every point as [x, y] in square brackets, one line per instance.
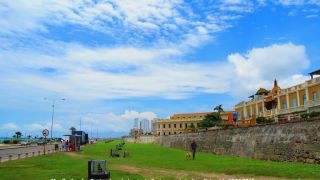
[193, 149]
[67, 145]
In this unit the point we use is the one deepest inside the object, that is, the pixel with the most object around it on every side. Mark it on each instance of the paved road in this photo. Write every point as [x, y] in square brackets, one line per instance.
[14, 153]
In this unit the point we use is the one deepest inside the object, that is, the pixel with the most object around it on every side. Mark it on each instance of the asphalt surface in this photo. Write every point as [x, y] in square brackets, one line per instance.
[19, 152]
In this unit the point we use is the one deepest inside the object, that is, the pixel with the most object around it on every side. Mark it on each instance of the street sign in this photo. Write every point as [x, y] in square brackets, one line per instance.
[45, 132]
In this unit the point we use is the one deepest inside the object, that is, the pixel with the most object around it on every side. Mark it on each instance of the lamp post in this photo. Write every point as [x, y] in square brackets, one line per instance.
[53, 102]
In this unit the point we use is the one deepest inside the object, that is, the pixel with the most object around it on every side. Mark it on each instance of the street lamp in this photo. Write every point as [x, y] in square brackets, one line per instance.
[53, 102]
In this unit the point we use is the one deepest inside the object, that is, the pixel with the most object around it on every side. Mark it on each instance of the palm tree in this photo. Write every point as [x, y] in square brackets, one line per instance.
[219, 109]
[18, 134]
[72, 129]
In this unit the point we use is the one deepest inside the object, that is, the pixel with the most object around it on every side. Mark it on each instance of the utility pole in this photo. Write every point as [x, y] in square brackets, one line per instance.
[80, 123]
[52, 119]
[53, 102]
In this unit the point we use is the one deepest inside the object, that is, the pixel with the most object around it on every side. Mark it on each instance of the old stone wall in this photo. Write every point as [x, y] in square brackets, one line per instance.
[141, 139]
[294, 141]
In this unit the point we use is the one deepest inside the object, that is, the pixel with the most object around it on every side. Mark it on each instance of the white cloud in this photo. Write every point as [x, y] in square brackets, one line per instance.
[260, 66]
[299, 2]
[112, 73]
[125, 19]
[35, 127]
[111, 122]
[312, 16]
[9, 126]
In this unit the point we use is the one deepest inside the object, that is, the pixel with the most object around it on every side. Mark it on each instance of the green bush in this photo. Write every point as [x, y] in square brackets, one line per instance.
[270, 120]
[261, 120]
[310, 115]
[6, 142]
[314, 114]
[305, 115]
[15, 141]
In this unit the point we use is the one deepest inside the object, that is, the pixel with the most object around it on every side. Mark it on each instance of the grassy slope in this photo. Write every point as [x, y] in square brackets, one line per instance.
[62, 165]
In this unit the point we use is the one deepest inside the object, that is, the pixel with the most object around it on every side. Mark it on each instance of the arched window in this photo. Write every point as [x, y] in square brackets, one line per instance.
[304, 98]
[314, 96]
[294, 102]
[284, 104]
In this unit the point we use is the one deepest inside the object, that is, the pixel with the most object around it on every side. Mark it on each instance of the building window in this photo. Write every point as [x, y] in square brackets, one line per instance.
[175, 132]
[294, 102]
[174, 125]
[164, 133]
[159, 126]
[284, 104]
[180, 125]
[185, 125]
[319, 93]
[163, 126]
[314, 96]
[159, 133]
[169, 125]
[304, 98]
[260, 108]
[169, 133]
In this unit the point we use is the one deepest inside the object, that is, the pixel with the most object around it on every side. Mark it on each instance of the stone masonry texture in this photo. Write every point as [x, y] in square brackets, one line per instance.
[294, 141]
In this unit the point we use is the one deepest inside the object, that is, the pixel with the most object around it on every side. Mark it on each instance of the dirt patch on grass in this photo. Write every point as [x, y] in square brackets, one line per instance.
[153, 173]
[75, 155]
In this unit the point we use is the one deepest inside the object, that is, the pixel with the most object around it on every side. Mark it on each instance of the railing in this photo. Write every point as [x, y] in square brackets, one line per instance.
[32, 153]
[292, 110]
[240, 104]
[312, 103]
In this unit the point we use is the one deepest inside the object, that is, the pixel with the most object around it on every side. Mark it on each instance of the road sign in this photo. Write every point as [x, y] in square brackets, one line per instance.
[45, 132]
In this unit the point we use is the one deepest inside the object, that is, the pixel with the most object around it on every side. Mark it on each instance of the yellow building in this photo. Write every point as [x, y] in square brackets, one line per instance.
[287, 102]
[177, 123]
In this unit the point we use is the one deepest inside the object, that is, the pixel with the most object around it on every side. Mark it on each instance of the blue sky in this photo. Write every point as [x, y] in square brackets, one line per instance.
[114, 61]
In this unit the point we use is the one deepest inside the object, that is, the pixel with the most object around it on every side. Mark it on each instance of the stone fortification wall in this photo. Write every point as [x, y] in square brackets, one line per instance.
[141, 139]
[294, 141]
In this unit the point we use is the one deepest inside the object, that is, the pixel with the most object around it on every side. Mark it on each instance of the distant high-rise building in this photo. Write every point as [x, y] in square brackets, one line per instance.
[145, 125]
[136, 123]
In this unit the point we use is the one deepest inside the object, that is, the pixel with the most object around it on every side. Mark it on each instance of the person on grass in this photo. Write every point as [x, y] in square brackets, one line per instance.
[193, 149]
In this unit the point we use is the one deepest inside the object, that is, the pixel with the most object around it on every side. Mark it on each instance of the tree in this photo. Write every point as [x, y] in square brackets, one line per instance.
[72, 129]
[210, 120]
[17, 135]
[219, 109]
[192, 127]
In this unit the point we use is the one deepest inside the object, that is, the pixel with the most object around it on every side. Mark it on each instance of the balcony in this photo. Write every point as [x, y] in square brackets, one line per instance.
[312, 103]
[314, 81]
[292, 110]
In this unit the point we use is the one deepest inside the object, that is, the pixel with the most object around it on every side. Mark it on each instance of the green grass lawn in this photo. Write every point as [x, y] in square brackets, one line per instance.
[150, 160]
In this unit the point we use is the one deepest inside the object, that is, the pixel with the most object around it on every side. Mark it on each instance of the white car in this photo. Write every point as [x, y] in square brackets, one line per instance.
[24, 143]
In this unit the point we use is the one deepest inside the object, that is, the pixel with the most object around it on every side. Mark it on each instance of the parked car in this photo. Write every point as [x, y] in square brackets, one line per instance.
[25, 143]
[41, 142]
